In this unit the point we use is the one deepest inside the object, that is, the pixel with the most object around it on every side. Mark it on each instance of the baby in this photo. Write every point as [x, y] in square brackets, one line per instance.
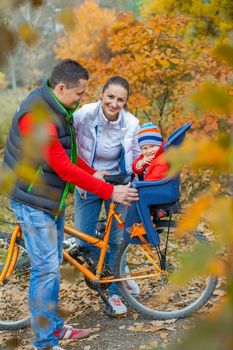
[150, 163]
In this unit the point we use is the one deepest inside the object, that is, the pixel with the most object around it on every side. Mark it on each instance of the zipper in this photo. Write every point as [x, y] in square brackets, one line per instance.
[38, 171]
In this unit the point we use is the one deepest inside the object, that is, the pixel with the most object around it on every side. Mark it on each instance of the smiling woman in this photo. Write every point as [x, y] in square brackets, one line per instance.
[106, 140]
[114, 98]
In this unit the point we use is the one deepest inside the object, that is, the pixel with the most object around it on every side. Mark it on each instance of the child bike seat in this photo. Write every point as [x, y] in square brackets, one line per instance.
[160, 193]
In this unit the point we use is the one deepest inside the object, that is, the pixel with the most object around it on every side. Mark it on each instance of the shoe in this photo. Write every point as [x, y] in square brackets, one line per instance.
[68, 332]
[117, 305]
[56, 347]
[131, 286]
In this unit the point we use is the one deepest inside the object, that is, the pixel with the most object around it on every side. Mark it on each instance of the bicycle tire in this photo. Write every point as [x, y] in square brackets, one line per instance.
[14, 313]
[154, 302]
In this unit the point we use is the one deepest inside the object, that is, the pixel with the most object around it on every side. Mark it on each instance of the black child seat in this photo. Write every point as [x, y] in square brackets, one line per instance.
[161, 194]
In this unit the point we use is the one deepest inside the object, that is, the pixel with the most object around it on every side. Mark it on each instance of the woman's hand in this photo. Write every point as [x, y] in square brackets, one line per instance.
[99, 174]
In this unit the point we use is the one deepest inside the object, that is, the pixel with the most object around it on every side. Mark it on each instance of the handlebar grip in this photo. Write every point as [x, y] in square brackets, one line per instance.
[118, 179]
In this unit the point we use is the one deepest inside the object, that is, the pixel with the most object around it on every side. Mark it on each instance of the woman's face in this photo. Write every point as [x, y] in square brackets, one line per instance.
[114, 99]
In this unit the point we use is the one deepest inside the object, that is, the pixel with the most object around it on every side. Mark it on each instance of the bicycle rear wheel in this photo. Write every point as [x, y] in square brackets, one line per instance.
[159, 297]
[14, 311]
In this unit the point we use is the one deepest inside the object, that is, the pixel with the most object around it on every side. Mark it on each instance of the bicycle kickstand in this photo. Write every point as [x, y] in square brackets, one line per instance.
[108, 310]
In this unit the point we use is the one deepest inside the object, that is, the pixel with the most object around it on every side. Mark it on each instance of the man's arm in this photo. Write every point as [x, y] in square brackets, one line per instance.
[57, 158]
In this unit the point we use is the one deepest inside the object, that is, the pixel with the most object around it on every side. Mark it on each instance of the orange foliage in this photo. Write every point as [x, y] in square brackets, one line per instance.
[162, 67]
[81, 40]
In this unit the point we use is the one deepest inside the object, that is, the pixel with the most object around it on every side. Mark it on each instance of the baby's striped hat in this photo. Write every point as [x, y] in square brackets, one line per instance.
[149, 134]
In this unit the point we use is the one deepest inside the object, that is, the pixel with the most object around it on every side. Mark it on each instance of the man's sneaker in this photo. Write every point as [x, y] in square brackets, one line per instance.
[68, 332]
[131, 286]
[117, 305]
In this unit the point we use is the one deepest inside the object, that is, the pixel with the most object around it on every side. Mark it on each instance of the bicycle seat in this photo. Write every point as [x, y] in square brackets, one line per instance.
[118, 179]
[161, 194]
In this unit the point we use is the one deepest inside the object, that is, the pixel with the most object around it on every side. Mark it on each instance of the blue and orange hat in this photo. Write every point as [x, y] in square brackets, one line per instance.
[149, 134]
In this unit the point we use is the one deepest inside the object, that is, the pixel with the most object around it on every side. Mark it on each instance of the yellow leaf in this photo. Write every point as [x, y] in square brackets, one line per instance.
[217, 267]
[164, 63]
[29, 35]
[212, 97]
[220, 218]
[3, 82]
[193, 214]
[174, 60]
[67, 19]
[7, 181]
[204, 153]
[225, 52]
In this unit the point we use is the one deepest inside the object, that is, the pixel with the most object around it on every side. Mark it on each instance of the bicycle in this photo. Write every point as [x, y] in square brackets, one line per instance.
[148, 251]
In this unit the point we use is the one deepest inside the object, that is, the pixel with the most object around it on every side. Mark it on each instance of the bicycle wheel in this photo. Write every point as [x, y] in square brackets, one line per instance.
[14, 311]
[159, 297]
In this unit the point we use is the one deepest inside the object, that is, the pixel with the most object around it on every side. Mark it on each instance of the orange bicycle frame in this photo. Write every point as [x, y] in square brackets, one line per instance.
[13, 252]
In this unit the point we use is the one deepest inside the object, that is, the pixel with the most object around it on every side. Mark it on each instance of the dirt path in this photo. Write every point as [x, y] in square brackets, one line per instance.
[132, 332]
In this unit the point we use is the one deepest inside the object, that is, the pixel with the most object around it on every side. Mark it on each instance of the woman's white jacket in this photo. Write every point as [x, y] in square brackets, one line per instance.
[86, 126]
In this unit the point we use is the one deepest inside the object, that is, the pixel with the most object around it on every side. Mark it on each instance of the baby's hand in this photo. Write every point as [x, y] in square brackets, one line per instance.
[147, 159]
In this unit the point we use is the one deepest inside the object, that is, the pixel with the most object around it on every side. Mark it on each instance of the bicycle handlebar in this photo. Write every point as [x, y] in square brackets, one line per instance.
[118, 179]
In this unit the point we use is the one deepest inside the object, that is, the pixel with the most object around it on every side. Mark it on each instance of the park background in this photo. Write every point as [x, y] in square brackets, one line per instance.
[178, 58]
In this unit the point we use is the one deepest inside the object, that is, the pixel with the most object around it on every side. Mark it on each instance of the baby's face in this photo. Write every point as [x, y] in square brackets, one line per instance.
[148, 150]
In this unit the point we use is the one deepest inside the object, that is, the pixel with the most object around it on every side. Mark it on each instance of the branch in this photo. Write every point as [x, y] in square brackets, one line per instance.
[164, 102]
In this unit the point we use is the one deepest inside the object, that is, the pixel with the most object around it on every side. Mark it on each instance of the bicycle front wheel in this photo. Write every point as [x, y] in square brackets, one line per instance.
[159, 298]
[14, 311]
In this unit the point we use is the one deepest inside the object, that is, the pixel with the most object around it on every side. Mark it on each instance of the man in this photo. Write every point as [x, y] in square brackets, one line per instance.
[39, 203]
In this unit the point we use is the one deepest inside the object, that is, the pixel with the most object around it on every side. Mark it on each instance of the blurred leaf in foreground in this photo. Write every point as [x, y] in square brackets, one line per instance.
[193, 214]
[196, 263]
[67, 19]
[8, 42]
[225, 52]
[7, 181]
[220, 218]
[13, 343]
[29, 34]
[212, 98]
[202, 153]
[37, 3]
[214, 333]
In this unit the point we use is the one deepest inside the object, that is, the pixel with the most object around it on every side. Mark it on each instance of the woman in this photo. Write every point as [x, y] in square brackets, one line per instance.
[106, 140]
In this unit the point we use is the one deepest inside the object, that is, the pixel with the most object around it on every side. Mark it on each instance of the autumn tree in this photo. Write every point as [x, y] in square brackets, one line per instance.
[80, 40]
[209, 17]
[154, 54]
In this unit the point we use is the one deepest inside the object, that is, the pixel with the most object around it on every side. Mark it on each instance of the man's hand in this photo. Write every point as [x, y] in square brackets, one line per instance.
[124, 194]
[99, 174]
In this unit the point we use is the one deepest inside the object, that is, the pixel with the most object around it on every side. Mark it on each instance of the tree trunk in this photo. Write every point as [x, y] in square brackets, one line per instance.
[12, 72]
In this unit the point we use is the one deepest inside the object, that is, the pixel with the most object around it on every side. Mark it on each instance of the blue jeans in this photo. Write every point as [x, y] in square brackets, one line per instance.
[86, 215]
[43, 239]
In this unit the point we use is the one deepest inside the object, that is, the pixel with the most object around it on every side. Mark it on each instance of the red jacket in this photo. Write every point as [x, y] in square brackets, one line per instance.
[157, 169]
[58, 160]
